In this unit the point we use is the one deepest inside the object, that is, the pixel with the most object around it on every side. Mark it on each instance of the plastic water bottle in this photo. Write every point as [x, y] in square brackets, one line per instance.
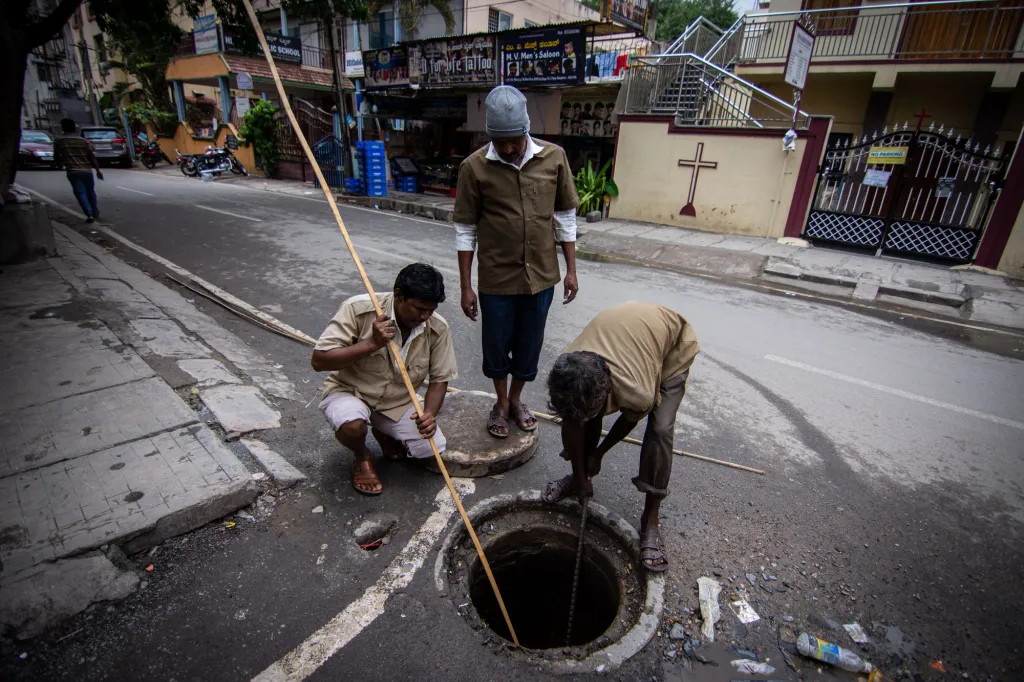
[812, 647]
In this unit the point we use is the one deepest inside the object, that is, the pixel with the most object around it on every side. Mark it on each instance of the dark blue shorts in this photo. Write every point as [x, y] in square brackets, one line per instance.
[513, 333]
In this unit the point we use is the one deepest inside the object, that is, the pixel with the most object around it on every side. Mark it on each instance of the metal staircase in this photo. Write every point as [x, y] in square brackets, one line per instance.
[693, 81]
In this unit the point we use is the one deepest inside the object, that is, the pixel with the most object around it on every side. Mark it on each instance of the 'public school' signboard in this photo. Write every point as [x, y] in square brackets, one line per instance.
[550, 56]
[284, 48]
[453, 61]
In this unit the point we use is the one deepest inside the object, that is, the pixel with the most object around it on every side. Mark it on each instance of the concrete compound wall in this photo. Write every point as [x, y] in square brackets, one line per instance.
[750, 192]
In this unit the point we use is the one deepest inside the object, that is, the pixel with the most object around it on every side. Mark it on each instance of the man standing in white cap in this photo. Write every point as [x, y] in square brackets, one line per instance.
[516, 198]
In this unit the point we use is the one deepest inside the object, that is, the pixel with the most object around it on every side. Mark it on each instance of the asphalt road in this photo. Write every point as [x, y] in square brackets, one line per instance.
[894, 493]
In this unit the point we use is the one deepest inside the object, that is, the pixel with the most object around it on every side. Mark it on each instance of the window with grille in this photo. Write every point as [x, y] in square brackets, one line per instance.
[498, 21]
[833, 23]
[529, 24]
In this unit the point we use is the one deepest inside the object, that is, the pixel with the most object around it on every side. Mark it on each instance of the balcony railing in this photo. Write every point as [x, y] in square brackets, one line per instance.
[967, 30]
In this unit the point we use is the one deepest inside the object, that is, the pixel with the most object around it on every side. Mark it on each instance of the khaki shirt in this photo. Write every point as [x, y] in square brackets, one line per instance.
[375, 378]
[513, 210]
[644, 345]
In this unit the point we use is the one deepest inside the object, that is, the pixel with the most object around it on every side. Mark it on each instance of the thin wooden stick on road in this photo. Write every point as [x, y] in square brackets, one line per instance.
[392, 346]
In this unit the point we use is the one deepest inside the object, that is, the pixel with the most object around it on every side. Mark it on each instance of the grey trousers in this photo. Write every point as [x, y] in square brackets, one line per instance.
[656, 452]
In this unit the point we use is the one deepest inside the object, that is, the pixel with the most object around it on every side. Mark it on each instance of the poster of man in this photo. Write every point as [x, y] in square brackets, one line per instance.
[587, 118]
[548, 56]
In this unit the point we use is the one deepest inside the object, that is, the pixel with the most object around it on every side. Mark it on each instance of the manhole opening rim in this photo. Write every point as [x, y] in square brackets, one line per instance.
[622, 648]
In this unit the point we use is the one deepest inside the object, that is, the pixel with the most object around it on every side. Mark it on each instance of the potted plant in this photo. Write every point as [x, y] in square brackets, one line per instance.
[595, 189]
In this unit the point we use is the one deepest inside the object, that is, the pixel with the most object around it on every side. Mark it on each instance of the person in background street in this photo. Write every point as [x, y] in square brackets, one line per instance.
[634, 359]
[517, 198]
[365, 386]
[74, 154]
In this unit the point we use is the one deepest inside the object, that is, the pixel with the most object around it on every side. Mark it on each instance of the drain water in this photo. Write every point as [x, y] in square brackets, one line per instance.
[534, 570]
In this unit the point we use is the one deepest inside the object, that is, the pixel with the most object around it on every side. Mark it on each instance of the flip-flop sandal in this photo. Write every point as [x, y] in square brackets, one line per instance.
[391, 448]
[559, 490]
[363, 474]
[652, 555]
[495, 420]
[522, 416]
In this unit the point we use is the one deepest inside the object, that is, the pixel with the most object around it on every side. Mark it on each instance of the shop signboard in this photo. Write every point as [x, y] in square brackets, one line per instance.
[543, 56]
[387, 68]
[354, 64]
[283, 48]
[453, 61]
[629, 13]
[587, 118]
[204, 29]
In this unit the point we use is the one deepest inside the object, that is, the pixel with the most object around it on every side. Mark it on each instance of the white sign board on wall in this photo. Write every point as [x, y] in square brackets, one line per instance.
[241, 106]
[244, 81]
[799, 60]
[354, 64]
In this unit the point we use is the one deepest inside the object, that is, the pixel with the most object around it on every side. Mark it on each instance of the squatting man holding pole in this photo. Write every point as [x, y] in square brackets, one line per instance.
[634, 359]
[365, 387]
[516, 198]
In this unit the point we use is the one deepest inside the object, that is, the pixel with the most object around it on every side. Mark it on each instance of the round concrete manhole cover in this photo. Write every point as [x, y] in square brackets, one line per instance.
[471, 450]
[531, 547]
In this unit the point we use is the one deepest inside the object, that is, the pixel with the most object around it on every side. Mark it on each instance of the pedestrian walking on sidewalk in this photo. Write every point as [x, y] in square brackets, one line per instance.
[74, 154]
[633, 359]
[516, 199]
[366, 390]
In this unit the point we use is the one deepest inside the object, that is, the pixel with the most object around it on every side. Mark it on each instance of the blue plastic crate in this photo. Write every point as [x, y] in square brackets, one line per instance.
[370, 144]
[382, 192]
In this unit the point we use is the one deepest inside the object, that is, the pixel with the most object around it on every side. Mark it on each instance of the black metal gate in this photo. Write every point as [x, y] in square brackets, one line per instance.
[920, 193]
[329, 155]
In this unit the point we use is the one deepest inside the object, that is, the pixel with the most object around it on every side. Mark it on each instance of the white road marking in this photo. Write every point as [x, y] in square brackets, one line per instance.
[126, 189]
[233, 215]
[897, 392]
[306, 658]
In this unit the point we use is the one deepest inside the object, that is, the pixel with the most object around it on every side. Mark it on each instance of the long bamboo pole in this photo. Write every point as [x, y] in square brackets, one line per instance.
[392, 346]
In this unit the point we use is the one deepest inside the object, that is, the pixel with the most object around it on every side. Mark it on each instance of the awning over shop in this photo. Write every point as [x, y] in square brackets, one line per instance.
[206, 68]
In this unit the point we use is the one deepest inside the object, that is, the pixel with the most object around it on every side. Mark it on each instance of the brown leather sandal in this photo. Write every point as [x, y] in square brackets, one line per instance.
[363, 474]
[496, 420]
[524, 418]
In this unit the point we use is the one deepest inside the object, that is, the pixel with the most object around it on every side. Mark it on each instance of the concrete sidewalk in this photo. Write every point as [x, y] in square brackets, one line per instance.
[961, 292]
[117, 394]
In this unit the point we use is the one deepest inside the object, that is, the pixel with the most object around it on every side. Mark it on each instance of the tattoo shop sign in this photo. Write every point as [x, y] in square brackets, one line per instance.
[549, 56]
[453, 61]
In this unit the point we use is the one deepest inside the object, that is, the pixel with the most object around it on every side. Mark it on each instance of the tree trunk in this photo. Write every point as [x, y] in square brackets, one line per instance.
[13, 61]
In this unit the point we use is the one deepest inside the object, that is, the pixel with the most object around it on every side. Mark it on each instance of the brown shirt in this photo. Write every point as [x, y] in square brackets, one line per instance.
[375, 379]
[72, 153]
[513, 210]
[644, 345]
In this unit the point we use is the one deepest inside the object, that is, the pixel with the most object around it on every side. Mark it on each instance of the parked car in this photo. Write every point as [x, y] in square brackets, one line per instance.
[36, 150]
[108, 144]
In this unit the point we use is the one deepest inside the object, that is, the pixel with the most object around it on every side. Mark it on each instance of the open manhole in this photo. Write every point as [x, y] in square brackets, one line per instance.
[531, 546]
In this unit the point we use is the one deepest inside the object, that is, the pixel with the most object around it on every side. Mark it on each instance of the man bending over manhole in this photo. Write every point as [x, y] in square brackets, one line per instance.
[365, 386]
[634, 359]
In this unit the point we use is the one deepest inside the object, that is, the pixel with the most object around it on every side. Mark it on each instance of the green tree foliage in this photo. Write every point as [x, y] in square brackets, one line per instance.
[675, 15]
[259, 129]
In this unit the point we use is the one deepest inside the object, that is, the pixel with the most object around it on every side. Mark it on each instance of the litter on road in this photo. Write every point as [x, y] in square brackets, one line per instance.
[856, 633]
[748, 667]
[708, 590]
[745, 612]
[812, 647]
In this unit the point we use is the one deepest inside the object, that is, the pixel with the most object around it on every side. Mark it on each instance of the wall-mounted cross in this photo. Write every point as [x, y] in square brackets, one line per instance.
[696, 163]
[921, 117]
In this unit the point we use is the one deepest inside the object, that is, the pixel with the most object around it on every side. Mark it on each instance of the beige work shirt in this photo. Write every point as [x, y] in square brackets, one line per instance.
[644, 344]
[513, 209]
[375, 379]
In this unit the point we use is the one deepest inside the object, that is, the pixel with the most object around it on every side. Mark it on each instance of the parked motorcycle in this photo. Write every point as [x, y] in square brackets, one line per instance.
[187, 164]
[151, 154]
